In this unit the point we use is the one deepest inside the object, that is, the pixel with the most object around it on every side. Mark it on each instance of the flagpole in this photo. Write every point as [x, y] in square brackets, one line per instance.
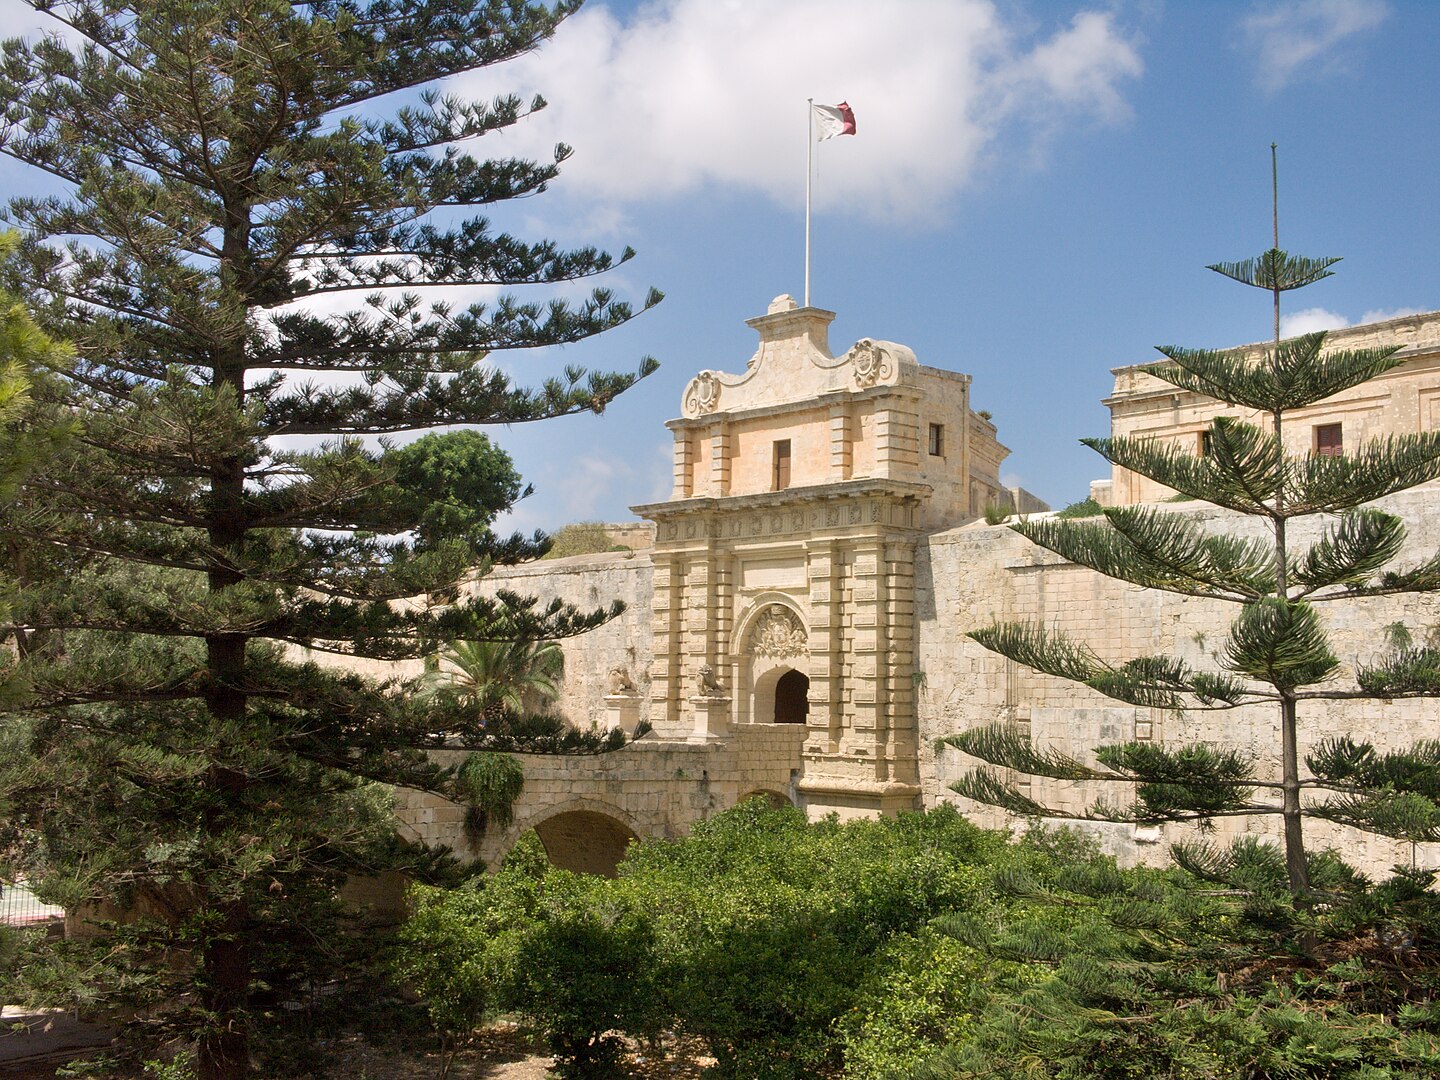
[809, 151]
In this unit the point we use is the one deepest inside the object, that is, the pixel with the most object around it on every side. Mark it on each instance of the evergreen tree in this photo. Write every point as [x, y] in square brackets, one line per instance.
[178, 761]
[1277, 650]
[26, 439]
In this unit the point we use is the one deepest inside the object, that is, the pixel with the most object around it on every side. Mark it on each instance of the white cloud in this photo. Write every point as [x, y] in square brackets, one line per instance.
[1310, 320]
[1381, 314]
[1295, 38]
[697, 93]
[19, 19]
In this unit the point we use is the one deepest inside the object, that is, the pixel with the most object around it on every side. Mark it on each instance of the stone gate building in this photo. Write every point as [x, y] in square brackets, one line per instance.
[797, 628]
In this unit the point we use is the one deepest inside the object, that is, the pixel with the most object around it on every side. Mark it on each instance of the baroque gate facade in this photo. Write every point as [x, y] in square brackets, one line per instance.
[784, 560]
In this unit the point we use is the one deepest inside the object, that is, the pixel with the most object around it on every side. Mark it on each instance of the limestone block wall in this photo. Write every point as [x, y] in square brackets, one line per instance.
[589, 582]
[969, 577]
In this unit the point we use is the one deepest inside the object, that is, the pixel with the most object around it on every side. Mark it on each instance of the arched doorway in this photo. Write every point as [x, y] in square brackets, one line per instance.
[792, 698]
[585, 842]
[772, 677]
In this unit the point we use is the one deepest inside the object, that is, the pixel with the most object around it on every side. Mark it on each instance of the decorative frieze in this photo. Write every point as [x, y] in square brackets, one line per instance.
[832, 514]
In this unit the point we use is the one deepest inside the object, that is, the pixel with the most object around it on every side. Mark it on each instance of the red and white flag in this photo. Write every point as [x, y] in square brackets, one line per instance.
[832, 120]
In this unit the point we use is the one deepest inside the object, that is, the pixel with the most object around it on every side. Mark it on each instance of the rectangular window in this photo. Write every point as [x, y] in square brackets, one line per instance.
[782, 465]
[937, 440]
[1202, 445]
[1329, 441]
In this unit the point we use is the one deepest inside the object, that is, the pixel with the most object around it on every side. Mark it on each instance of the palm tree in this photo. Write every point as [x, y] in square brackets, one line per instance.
[498, 675]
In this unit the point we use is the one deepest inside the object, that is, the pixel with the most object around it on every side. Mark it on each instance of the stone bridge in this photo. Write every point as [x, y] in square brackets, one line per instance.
[587, 809]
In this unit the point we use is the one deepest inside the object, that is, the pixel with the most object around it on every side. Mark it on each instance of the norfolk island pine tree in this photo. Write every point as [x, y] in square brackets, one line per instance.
[1277, 650]
[173, 757]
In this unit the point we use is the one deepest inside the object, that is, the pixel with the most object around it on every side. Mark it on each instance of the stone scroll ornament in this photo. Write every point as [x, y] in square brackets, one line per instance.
[778, 633]
[871, 363]
[703, 394]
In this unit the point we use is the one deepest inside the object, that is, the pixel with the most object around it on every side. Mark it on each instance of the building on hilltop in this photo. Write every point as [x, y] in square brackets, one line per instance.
[1406, 399]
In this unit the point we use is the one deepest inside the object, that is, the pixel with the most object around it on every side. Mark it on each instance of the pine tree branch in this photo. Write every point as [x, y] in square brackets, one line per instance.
[1243, 471]
[1277, 270]
[1158, 550]
[1280, 642]
[1152, 682]
[1293, 376]
[1322, 484]
[1349, 551]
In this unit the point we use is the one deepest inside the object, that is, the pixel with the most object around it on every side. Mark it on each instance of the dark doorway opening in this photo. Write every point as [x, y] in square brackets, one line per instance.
[792, 698]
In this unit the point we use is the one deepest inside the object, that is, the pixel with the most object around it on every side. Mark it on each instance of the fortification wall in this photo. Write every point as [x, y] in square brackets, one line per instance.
[590, 582]
[970, 577]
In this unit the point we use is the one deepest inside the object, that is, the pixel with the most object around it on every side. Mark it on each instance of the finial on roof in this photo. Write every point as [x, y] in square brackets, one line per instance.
[783, 302]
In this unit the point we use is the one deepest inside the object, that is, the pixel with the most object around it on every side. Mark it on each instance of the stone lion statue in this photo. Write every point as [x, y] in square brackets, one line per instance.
[620, 681]
[709, 686]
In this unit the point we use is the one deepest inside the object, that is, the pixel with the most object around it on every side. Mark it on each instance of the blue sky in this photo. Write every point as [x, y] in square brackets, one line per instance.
[1032, 195]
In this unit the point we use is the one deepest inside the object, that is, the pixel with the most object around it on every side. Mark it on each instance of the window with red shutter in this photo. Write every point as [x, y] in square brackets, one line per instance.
[1329, 440]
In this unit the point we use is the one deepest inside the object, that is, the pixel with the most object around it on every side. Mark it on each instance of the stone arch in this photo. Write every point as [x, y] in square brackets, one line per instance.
[772, 639]
[776, 799]
[586, 836]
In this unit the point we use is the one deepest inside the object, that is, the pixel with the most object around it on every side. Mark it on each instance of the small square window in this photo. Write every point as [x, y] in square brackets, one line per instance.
[1329, 440]
[781, 474]
[937, 440]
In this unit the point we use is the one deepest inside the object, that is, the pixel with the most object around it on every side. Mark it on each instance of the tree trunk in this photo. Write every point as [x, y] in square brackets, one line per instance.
[223, 1052]
[1295, 865]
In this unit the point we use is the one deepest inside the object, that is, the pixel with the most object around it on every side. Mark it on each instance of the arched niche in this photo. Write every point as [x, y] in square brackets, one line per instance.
[774, 664]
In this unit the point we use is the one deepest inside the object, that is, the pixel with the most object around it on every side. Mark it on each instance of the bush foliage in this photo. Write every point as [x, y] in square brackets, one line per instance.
[924, 947]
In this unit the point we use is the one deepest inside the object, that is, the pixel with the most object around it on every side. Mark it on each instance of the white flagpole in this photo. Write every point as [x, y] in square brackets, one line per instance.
[809, 151]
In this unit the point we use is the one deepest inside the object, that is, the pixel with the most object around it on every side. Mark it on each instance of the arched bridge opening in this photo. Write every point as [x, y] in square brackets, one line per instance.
[585, 841]
[774, 799]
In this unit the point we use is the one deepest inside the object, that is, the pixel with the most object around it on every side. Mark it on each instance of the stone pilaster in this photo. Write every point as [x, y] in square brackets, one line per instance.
[684, 464]
[720, 453]
[842, 441]
[900, 749]
[863, 650]
[897, 439]
[666, 668]
[827, 718]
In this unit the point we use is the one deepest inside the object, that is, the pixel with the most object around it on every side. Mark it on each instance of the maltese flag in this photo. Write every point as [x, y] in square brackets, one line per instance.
[832, 120]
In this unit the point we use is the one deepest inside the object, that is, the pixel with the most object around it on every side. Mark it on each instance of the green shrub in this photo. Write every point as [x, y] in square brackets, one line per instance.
[915, 999]
[561, 949]
[1083, 509]
[587, 971]
[996, 515]
[767, 926]
[581, 538]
